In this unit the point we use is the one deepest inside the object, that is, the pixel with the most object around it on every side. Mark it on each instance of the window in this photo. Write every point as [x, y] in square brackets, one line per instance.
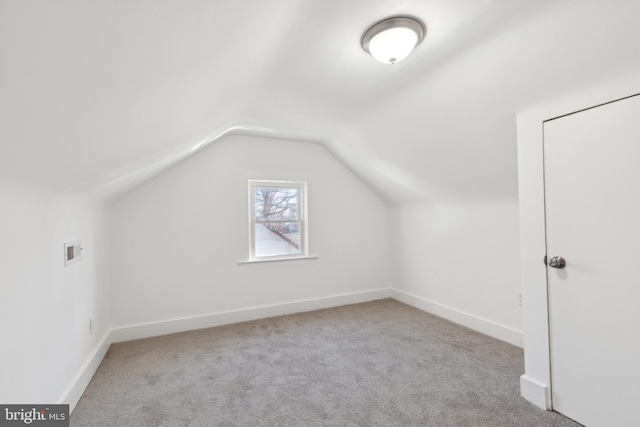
[277, 210]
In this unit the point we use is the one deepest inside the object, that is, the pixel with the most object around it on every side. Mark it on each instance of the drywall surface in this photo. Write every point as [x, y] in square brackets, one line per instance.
[460, 261]
[177, 240]
[45, 307]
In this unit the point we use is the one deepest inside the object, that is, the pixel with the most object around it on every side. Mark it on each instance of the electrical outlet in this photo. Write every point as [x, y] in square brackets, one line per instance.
[91, 326]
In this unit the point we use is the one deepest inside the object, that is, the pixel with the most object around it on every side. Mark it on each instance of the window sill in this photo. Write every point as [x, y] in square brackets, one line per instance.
[258, 261]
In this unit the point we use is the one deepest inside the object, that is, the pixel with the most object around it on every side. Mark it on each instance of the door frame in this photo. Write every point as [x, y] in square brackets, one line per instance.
[535, 383]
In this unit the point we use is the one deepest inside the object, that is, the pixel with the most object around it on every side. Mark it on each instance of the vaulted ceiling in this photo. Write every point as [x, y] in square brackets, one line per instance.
[103, 94]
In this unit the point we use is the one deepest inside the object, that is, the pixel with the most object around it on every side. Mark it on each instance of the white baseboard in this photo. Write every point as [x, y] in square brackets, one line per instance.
[535, 392]
[147, 330]
[471, 321]
[82, 379]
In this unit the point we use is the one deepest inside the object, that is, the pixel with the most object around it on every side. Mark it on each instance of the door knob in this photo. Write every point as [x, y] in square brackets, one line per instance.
[557, 262]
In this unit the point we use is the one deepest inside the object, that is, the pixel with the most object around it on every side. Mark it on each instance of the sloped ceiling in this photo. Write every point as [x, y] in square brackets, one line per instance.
[104, 94]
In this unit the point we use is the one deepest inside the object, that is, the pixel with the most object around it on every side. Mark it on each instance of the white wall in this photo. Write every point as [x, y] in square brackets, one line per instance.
[45, 307]
[459, 260]
[536, 382]
[177, 240]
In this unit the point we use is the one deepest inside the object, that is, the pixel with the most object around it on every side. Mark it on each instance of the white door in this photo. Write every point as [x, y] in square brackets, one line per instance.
[592, 198]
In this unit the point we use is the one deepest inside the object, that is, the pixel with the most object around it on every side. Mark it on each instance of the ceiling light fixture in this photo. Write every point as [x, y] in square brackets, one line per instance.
[392, 39]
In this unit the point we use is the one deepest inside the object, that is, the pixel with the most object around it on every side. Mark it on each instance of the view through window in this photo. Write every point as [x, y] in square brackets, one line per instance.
[277, 225]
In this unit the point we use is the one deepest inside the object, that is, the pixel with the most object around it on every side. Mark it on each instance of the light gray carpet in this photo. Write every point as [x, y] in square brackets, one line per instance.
[381, 363]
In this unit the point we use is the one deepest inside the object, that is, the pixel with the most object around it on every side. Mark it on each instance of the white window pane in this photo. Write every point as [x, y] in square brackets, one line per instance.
[277, 239]
[278, 219]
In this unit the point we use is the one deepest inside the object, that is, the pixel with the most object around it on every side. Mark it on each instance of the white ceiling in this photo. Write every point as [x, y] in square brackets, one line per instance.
[105, 93]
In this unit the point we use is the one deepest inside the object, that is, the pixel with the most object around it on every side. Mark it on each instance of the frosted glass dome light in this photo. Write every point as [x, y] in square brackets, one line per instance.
[393, 39]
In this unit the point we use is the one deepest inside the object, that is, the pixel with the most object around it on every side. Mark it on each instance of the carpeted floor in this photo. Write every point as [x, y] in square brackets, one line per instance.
[381, 363]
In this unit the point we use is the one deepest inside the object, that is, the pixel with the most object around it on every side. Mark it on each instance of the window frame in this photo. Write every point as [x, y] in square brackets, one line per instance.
[301, 187]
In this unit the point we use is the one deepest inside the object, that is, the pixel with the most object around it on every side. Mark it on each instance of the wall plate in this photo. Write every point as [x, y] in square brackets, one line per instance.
[72, 252]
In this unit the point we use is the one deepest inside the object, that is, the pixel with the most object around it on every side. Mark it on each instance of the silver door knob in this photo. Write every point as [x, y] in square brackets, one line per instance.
[557, 262]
